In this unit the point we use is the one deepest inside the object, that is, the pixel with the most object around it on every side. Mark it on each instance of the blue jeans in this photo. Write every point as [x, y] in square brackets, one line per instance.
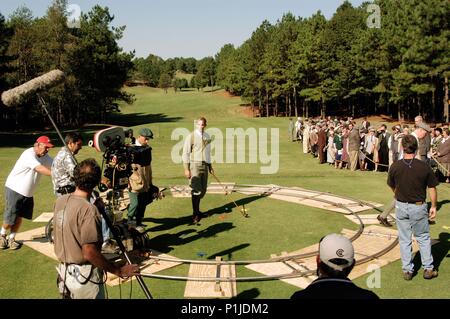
[413, 219]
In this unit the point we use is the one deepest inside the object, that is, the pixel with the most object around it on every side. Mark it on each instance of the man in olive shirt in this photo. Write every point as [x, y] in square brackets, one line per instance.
[409, 179]
[78, 238]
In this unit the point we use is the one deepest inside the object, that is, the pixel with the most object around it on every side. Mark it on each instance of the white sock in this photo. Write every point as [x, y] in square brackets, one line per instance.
[3, 231]
[12, 236]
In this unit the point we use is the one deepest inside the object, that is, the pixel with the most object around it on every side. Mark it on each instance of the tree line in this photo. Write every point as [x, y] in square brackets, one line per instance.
[94, 65]
[157, 72]
[314, 66]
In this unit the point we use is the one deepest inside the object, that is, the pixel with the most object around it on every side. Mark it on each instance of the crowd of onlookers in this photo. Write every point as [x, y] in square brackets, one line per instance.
[344, 144]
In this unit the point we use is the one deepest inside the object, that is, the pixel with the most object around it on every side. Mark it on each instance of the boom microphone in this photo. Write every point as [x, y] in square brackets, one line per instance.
[20, 93]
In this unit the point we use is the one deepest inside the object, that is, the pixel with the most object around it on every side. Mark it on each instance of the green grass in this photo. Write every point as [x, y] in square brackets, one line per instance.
[274, 226]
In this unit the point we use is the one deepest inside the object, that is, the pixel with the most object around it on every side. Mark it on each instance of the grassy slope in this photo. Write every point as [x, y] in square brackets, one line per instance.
[274, 226]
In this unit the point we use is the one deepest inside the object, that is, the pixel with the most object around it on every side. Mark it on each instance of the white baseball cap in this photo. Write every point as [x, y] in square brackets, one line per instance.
[336, 251]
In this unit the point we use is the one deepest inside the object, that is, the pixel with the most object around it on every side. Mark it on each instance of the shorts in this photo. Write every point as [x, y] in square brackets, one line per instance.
[17, 205]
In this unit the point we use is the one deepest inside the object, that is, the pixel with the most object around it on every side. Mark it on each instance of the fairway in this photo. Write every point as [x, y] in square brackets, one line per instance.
[273, 227]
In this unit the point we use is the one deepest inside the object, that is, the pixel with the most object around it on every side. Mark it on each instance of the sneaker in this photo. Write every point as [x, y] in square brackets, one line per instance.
[430, 273]
[13, 244]
[384, 221]
[3, 242]
[196, 219]
[407, 275]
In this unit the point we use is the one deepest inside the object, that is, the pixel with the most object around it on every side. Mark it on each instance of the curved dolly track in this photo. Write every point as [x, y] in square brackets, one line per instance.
[294, 274]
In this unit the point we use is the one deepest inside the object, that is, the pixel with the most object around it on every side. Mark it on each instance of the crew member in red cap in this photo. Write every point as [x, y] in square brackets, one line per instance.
[20, 186]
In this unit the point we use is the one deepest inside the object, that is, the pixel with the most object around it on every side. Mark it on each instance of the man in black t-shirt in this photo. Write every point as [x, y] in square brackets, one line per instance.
[334, 263]
[409, 178]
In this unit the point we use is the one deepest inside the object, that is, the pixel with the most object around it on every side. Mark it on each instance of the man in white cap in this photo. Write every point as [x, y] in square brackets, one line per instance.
[20, 187]
[334, 263]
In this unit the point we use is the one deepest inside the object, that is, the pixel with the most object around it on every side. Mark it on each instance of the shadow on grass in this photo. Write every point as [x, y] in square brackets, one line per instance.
[228, 208]
[248, 294]
[133, 119]
[167, 223]
[441, 203]
[164, 242]
[439, 252]
[229, 252]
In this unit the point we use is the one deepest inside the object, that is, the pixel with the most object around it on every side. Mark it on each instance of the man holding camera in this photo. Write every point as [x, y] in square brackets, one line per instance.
[140, 184]
[77, 225]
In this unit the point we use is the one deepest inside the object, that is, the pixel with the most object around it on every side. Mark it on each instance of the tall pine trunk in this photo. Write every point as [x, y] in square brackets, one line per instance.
[446, 117]
[295, 102]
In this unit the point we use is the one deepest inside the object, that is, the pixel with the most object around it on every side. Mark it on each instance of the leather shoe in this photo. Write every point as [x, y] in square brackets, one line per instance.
[196, 219]
[384, 221]
[430, 273]
[407, 276]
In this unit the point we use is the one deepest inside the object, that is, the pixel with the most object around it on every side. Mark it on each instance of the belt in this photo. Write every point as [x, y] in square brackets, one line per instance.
[66, 189]
[415, 203]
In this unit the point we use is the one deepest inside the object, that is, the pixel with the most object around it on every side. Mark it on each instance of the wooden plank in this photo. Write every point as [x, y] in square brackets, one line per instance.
[207, 289]
[216, 188]
[43, 218]
[368, 219]
[40, 244]
[180, 191]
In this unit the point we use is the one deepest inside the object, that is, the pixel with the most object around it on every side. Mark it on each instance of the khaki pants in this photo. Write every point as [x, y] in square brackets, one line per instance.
[82, 281]
[353, 160]
[199, 178]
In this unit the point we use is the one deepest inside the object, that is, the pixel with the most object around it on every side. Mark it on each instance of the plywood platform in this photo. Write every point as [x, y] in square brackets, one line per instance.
[43, 218]
[148, 266]
[41, 245]
[309, 198]
[373, 240]
[210, 289]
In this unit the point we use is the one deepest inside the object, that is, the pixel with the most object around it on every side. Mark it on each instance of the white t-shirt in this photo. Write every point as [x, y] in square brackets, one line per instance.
[23, 177]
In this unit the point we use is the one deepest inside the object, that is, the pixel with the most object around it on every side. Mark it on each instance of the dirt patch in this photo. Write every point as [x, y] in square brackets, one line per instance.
[248, 112]
[224, 93]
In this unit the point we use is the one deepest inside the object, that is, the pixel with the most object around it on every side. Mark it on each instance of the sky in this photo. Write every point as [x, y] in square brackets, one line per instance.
[187, 28]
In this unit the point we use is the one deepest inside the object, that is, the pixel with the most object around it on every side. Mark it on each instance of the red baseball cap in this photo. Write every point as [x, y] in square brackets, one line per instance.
[45, 140]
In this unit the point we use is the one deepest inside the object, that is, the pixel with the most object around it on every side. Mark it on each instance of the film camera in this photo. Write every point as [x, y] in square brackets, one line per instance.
[118, 155]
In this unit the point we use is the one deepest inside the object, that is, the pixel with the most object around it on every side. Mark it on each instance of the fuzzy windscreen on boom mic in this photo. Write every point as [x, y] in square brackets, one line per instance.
[19, 94]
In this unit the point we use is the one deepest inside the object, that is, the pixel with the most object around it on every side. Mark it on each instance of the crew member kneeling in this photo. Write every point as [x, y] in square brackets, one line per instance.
[78, 238]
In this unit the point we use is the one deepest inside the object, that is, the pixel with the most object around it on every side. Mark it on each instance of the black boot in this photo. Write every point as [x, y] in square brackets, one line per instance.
[196, 208]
